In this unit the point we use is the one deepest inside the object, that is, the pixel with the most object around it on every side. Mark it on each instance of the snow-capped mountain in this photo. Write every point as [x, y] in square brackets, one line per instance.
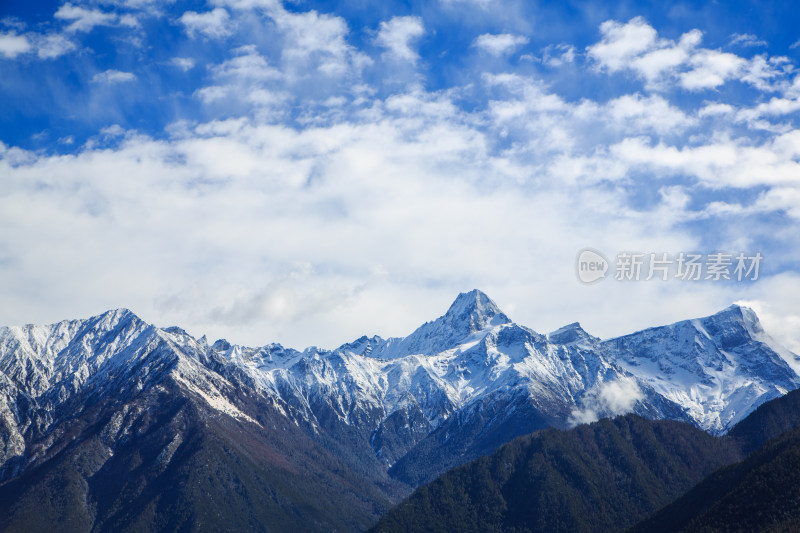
[718, 368]
[453, 389]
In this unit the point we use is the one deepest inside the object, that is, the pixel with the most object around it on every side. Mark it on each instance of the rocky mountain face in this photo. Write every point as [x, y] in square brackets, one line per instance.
[362, 424]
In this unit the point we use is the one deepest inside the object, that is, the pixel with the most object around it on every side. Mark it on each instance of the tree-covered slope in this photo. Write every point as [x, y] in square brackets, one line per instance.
[759, 494]
[603, 476]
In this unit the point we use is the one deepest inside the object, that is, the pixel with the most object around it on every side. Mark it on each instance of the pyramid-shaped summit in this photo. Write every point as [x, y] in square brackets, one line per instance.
[473, 311]
[571, 334]
[470, 313]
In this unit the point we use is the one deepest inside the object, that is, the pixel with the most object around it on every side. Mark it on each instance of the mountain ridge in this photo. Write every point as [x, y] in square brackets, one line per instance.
[610, 475]
[396, 418]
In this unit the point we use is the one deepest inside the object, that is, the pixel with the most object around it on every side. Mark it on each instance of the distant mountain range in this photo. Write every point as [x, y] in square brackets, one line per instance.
[113, 424]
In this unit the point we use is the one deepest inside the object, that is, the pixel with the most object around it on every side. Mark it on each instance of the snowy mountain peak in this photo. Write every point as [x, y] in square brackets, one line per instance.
[727, 356]
[571, 334]
[737, 314]
[470, 314]
[221, 345]
[733, 325]
[476, 309]
[122, 314]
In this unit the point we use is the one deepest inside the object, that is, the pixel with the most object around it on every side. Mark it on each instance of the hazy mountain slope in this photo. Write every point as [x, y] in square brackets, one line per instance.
[597, 477]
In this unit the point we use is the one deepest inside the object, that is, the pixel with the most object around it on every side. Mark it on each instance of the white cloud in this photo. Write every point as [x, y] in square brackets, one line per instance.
[720, 164]
[715, 109]
[364, 225]
[500, 44]
[661, 63]
[558, 55]
[315, 41]
[84, 20]
[747, 39]
[247, 65]
[642, 114]
[621, 43]
[45, 46]
[215, 23]
[53, 45]
[113, 76]
[12, 45]
[183, 63]
[762, 71]
[367, 214]
[608, 399]
[310, 43]
[711, 69]
[636, 47]
[774, 107]
[398, 34]
[248, 78]
[775, 303]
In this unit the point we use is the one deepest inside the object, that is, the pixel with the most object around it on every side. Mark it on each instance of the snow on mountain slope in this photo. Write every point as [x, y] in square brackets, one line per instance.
[471, 315]
[720, 368]
[389, 395]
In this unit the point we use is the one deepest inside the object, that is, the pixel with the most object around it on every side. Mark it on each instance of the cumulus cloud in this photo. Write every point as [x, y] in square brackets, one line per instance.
[214, 23]
[183, 63]
[558, 55]
[621, 43]
[51, 46]
[248, 78]
[113, 76]
[84, 20]
[314, 41]
[44, 45]
[500, 44]
[711, 69]
[610, 398]
[266, 221]
[636, 47]
[12, 45]
[747, 39]
[398, 35]
[308, 203]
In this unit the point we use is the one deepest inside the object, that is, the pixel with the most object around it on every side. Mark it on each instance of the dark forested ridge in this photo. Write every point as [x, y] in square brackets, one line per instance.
[609, 475]
[598, 477]
[761, 493]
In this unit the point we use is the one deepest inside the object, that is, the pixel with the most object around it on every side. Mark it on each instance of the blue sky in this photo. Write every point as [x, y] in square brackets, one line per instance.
[306, 172]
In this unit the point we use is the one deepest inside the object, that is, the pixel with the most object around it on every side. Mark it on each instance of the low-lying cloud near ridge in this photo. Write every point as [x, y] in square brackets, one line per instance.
[609, 399]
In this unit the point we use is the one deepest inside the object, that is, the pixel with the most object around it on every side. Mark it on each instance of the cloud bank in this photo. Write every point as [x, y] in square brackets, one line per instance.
[313, 185]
